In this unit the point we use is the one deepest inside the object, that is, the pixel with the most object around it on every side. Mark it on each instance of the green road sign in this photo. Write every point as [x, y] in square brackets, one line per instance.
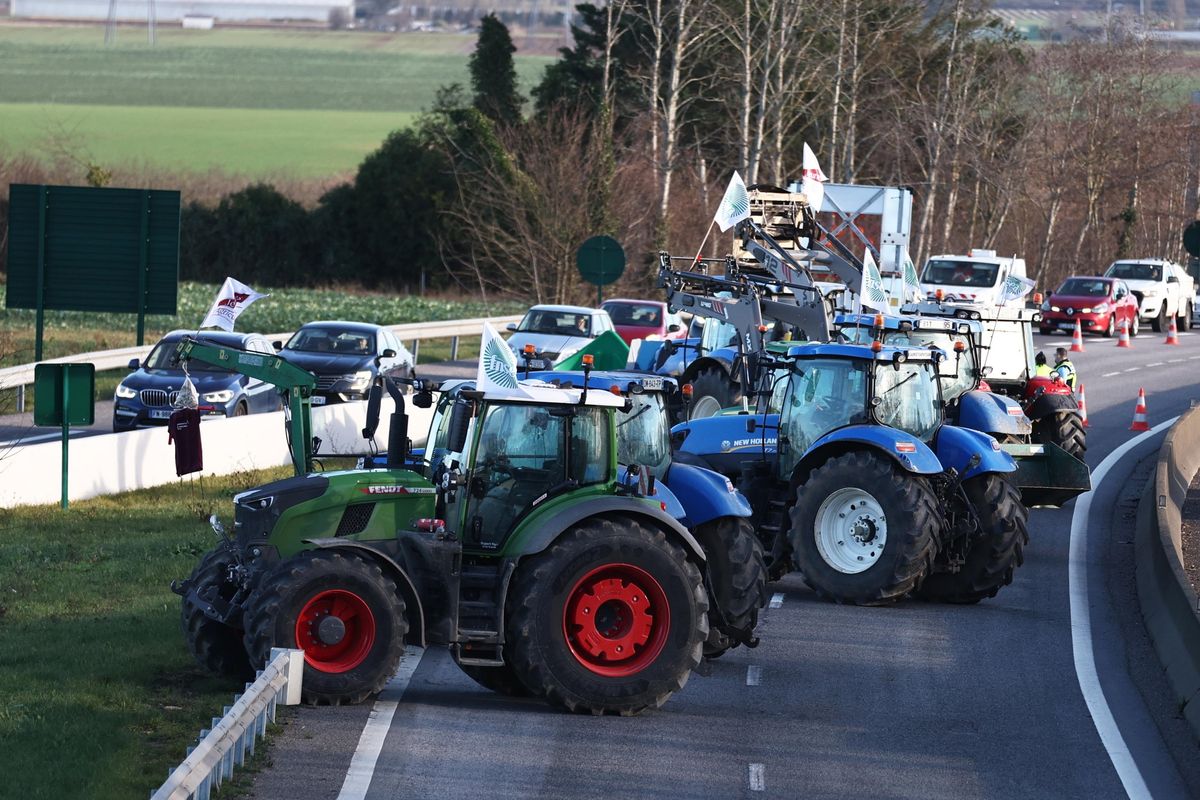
[601, 260]
[1191, 238]
[86, 249]
[63, 396]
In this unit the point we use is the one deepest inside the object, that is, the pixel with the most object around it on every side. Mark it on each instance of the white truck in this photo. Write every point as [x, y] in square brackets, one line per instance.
[1163, 290]
[974, 278]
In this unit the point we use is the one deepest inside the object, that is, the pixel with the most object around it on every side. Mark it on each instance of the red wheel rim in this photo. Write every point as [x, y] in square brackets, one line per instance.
[318, 625]
[616, 620]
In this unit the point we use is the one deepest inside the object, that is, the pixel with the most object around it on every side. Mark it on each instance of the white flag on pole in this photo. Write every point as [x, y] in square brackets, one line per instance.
[873, 294]
[735, 205]
[497, 366]
[912, 284]
[1014, 288]
[234, 298]
[811, 179]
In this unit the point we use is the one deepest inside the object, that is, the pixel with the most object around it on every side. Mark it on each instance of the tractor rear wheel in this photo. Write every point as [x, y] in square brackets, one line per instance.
[215, 645]
[712, 390]
[501, 680]
[610, 619]
[342, 611]
[863, 531]
[737, 578]
[1063, 429]
[994, 555]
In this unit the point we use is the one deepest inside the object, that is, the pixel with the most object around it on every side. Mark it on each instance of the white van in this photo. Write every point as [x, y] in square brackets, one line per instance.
[973, 278]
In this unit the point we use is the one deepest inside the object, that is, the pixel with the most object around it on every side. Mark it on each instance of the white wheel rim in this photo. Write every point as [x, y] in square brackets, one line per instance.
[706, 406]
[851, 530]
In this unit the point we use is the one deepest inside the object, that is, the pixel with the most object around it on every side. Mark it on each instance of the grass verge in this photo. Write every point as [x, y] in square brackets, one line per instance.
[98, 695]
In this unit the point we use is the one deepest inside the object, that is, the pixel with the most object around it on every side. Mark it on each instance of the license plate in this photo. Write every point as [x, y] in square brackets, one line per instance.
[537, 364]
[1067, 326]
[160, 413]
[318, 400]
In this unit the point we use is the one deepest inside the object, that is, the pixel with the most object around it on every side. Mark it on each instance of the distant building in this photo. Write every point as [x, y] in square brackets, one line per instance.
[174, 10]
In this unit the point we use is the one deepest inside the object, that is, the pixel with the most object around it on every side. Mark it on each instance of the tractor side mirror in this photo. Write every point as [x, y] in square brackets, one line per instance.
[423, 399]
[674, 327]
[460, 422]
[134, 363]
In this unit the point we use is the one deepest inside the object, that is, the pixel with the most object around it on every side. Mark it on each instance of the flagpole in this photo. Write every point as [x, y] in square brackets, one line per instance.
[707, 233]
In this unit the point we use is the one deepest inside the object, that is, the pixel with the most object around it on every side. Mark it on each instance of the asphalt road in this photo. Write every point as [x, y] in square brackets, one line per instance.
[914, 701]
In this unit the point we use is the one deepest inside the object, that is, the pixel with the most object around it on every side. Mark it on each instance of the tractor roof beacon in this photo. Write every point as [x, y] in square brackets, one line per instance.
[513, 538]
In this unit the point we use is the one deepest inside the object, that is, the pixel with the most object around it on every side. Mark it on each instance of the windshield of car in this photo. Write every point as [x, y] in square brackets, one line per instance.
[960, 273]
[645, 315]
[162, 357]
[1132, 271]
[643, 434]
[556, 323]
[332, 340]
[1084, 287]
[906, 398]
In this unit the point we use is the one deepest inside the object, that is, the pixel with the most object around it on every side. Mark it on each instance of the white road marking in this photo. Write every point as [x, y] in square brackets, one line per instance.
[1110, 374]
[1133, 369]
[776, 600]
[758, 778]
[1081, 628]
[753, 675]
[1193, 358]
[1176, 360]
[1156, 364]
[362, 764]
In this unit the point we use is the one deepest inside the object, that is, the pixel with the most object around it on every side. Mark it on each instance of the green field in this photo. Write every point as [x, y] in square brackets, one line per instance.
[277, 103]
[98, 694]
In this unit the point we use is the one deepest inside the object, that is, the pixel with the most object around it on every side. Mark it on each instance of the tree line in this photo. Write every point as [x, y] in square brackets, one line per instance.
[1068, 154]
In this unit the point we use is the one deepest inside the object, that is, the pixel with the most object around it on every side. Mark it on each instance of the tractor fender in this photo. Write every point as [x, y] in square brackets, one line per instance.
[551, 526]
[723, 359]
[993, 413]
[1047, 405]
[662, 493]
[919, 459]
[704, 494]
[726, 433]
[416, 631]
[956, 446]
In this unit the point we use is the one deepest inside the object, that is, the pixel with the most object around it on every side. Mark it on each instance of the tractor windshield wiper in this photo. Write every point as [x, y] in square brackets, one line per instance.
[901, 383]
[633, 416]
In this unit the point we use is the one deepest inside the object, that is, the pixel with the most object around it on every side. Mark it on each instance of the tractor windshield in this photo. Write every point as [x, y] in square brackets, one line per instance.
[644, 435]
[823, 394]
[718, 334]
[906, 398]
[959, 374]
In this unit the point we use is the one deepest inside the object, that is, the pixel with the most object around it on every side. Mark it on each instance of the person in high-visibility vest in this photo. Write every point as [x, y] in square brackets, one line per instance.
[1063, 367]
[1041, 368]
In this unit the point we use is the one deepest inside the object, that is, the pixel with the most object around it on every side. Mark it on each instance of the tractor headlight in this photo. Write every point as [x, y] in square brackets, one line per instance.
[223, 396]
[125, 392]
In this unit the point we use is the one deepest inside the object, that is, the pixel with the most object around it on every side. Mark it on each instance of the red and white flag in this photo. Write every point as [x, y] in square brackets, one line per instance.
[232, 300]
[811, 179]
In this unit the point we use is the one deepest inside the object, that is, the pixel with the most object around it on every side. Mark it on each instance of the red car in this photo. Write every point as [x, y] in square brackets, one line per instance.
[1099, 305]
[641, 319]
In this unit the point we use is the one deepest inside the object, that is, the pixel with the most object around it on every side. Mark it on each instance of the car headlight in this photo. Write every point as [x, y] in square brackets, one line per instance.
[223, 396]
[1100, 308]
[125, 392]
[1055, 308]
[361, 379]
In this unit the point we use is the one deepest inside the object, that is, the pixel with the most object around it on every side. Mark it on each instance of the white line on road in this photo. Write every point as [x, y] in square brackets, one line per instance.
[1081, 628]
[1110, 374]
[776, 600]
[362, 764]
[758, 778]
[1156, 364]
[1193, 358]
[1176, 360]
[1133, 369]
[753, 675]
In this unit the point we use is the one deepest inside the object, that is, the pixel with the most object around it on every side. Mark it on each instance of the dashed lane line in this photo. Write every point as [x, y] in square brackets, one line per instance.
[1133, 369]
[1081, 628]
[1156, 364]
[362, 764]
[1176, 360]
[1110, 374]
[758, 778]
[753, 675]
[776, 600]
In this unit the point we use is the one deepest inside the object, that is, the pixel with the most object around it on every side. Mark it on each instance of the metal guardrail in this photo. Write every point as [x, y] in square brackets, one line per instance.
[234, 736]
[412, 333]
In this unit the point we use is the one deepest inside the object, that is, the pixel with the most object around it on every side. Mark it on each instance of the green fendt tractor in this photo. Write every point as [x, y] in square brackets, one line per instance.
[511, 538]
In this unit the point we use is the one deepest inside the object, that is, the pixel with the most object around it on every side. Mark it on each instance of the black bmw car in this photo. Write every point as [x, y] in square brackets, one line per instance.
[342, 355]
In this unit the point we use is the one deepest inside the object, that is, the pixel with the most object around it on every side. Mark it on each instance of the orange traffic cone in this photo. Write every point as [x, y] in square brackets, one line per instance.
[1172, 333]
[1077, 340]
[1139, 413]
[1082, 406]
[1124, 340]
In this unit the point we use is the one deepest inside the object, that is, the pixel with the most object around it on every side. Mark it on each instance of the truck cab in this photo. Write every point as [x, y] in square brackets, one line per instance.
[974, 278]
[1163, 290]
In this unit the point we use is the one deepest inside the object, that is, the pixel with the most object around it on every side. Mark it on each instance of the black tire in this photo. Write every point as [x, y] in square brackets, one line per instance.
[1135, 326]
[1045, 331]
[1064, 429]
[912, 522]
[552, 587]
[995, 555]
[1185, 316]
[1112, 326]
[369, 652]
[241, 409]
[502, 680]
[1159, 323]
[737, 578]
[713, 382]
[216, 646]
